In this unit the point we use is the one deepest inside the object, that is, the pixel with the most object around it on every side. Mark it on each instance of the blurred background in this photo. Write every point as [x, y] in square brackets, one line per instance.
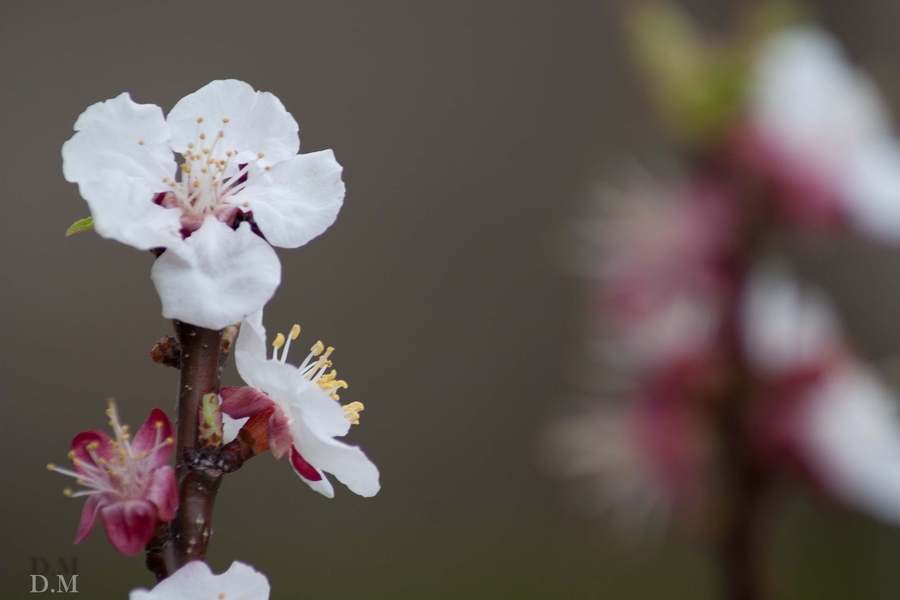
[471, 133]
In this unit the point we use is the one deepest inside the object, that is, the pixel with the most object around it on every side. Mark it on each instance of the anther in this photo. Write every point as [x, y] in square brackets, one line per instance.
[50, 466]
[199, 119]
[261, 155]
[318, 348]
[295, 331]
[141, 142]
[279, 341]
[202, 136]
[225, 120]
[68, 492]
[158, 424]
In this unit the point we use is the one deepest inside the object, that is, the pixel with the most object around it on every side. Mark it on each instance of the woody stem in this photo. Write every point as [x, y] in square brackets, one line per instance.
[186, 538]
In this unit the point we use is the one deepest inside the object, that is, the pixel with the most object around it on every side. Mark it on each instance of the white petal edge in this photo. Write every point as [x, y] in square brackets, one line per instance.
[872, 189]
[108, 136]
[250, 345]
[347, 463]
[785, 326]
[195, 581]
[296, 200]
[231, 427]
[810, 97]
[217, 277]
[257, 122]
[323, 486]
[123, 210]
[853, 435]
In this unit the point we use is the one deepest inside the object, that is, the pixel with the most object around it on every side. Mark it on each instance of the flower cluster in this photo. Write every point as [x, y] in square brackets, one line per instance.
[209, 189]
[733, 368]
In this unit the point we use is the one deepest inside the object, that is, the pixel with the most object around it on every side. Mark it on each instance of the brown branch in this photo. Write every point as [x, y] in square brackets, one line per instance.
[186, 538]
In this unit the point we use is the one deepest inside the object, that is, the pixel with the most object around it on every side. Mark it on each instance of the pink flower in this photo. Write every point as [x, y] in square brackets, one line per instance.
[646, 460]
[669, 259]
[127, 482]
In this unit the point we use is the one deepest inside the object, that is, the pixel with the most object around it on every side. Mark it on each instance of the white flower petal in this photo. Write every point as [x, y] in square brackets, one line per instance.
[785, 327]
[321, 411]
[251, 342]
[296, 200]
[853, 436]
[123, 210]
[809, 97]
[872, 189]
[323, 485]
[286, 384]
[108, 138]
[195, 581]
[231, 427]
[217, 277]
[257, 122]
[348, 463]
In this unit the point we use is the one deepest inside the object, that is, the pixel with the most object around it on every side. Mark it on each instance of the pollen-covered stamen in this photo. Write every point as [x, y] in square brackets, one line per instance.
[117, 469]
[295, 331]
[278, 343]
[209, 177]
[352, 410]
[314, 368]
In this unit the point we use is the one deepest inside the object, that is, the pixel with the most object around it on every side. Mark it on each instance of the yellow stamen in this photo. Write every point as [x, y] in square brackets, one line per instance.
[295, 331]
[318, 348]
[68, 492]
[279, 341]
[50, 466]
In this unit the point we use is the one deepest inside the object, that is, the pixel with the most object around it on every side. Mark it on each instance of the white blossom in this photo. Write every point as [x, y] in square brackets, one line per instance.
[828, 120]
[195, 581]
[189, 182]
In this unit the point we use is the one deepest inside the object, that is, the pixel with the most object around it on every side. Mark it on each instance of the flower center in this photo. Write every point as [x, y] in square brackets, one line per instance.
[314, 369]
[119, 470]
[208, 179]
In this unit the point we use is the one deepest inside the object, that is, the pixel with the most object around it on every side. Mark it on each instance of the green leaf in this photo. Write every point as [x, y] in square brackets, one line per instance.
[80, 225]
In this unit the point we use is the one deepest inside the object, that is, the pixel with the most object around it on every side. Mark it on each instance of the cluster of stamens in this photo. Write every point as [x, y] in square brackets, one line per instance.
[314, 369]
[208, 176]
[125, 473]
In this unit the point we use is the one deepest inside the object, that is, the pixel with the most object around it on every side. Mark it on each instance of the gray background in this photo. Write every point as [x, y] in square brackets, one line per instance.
[469, 132]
